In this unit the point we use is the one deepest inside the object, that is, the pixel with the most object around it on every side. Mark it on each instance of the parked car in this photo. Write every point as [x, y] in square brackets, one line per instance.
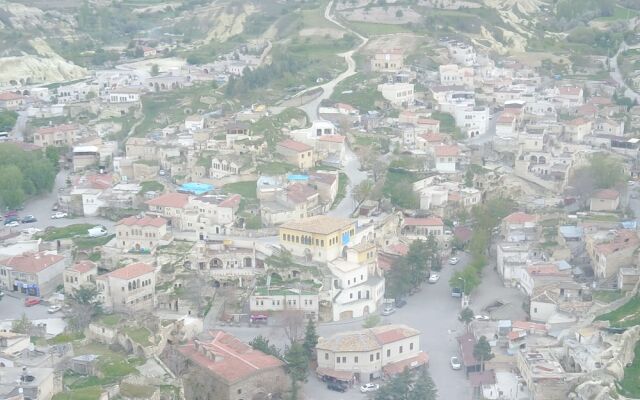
[455, 363]
[433, 278]
[28, 219]
[31, 301]
[388, 310]
[337, 387]
[97, 231]
[55, 207]
[453, 260]
[11, 213]
[59, 215]
[369, 387]
[11, 223]
[400, 303]
[481, 318]
[456, 292]
[1, 294]
[54, 309]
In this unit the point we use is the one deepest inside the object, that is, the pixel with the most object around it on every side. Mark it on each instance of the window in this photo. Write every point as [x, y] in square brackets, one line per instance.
[370, 357]
[400, 350]
[355, 359]
[326, 356]
[388, 352]
[377, 356]
[344, 360]
[338, 360]
[239, 391]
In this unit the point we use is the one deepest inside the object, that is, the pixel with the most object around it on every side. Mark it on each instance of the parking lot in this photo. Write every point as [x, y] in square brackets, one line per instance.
[12, 307]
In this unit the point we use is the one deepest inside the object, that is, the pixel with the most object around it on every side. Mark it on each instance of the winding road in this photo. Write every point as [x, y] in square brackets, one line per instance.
[616, 75]
[352, 165]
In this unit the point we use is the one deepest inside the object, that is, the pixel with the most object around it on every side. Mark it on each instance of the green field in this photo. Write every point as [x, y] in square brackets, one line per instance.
[245, 189]
[625, 316]
[630, 385]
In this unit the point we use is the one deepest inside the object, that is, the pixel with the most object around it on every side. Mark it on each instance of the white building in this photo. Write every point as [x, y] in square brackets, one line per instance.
[462, 53]
[474, 121]
[370, 354]
[194, 122]
[124, 95]
[453, 75]
[397, 93]
[127, 289]
[266, 299]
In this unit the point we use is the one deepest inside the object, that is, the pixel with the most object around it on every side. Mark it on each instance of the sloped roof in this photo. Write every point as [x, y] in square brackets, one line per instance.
[174, 200]
[32, 263]
[132, 271]
[144, 221]
[294, 145]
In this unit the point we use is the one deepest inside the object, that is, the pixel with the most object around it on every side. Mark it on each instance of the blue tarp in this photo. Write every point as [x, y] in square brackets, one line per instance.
[195, 188]
[297, 177]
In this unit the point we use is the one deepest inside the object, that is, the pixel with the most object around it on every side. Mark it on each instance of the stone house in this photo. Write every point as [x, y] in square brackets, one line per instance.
[421, 228]
[33, 274]
[604, 200]
[128, 289]
[80, 274]
[141, 234]
[11, 101]
[387, 61]
[369, 354]
[610, 251]
[58, 135]
[227, 367]
[296, 153]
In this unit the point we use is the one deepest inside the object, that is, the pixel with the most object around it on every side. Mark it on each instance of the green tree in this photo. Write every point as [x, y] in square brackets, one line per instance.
[310, 340]
[85, 306]
[262, 343]
[53, 155]
[7, 120]
[297, 366]
[22, 325]
[468, 178]
[482, 351]
[467, 279]
[155, 70]
[11, 186]
[424, 388]
[362, 191]
[466, 316]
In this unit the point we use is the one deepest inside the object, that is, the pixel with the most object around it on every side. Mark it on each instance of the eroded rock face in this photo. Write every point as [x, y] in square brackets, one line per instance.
[601, 384]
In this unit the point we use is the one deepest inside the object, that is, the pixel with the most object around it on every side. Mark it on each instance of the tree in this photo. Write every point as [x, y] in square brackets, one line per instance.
[297, 366]
[467, 279]
[362, 191]
[310, 340]
[468, 178]
[482, 351]
[155, 70]
[53, 155]
[85, 306]
[11, 192]
[261, 343]
[292, 322]
[466, 316]
[7, 120]
[22, 325]
[399, 14]
[371, 321]
[424, 388]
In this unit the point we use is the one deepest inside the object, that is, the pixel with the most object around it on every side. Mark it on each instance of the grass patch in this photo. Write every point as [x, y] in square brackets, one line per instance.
[112, 366]
[358, 92]
[607, 296]
[625, 316]
[85, 393]
[245, 189]
[139, 335]
[252, 221]
[66, 337]
[630, 385]
[66, 232]
[275, 168]
[136, 391]
[110, 320]
[151, 186]
[95, 256]
[371, 29]
[271, 127]
[343, 182]
[83, 243]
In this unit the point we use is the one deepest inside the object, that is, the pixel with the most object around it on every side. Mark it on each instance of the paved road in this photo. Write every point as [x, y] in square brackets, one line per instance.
[40, 208]
[616, 75]
[352, 168]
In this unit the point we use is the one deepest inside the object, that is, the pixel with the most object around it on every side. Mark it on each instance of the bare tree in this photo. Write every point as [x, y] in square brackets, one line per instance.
[292, 322]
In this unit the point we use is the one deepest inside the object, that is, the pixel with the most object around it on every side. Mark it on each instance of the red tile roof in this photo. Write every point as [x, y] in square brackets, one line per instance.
[300, 193]
[570, 90]
[430, 221]
[520, 218]
[144, 221]
[606, 194]
[10, 96]
[467, 342]
[623, 240]
[236, 360]
[32, 263]
[332, 138]
[397, 367]
[174, 200]
[428, 121]
[393, 335]
[506, 118]
[578, 122]
[49, 130]
[546, 270]
[446, 151]
[478, 379]
[294, 145]
[84, 266]
[232, 201]
[433, 137]
[131, 271]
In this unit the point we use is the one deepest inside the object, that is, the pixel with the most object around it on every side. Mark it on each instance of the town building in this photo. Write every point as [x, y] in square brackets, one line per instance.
[388, 61]
[229, 368]
[141, 234]
[33, 274]
[321, 238]
[604, 200]
[296, 153]
[57, 135]
[543, 374]
[446, 157]
[370, 354]
[21, 383]
[272, 300]
[397, 93]
[128, 289]
[80, 274]
[11, 101]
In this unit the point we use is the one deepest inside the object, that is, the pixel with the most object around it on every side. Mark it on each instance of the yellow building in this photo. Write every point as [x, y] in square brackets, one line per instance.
[321, 238]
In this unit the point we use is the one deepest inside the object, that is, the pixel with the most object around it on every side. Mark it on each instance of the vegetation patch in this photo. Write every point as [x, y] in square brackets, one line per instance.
[398, 187]
[607, 296]
[66, 232]
[275, 168]
[245, 189]
[151, 186]
[83, 243]
[625, 316]
[139, 335]
[630, 385]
